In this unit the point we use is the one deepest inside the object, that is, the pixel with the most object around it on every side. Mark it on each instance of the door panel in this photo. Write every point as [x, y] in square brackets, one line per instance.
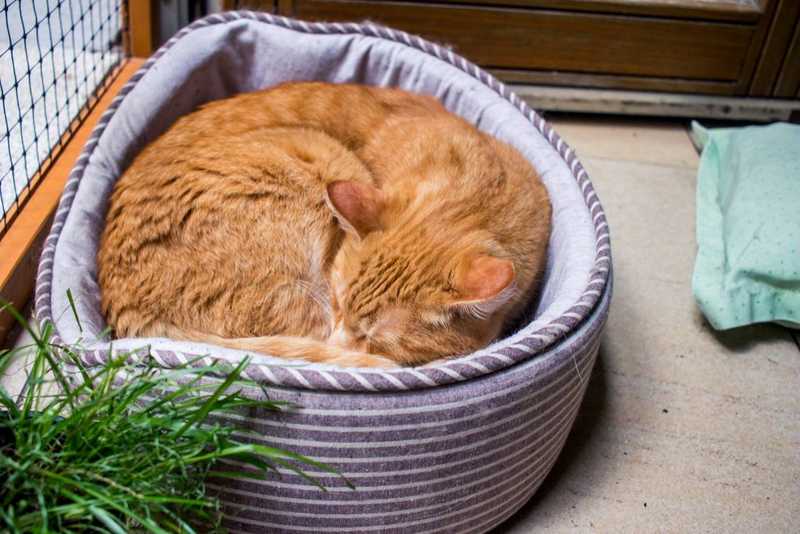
[788, 85]
[721, 10]
[694, 47]
[577, 42]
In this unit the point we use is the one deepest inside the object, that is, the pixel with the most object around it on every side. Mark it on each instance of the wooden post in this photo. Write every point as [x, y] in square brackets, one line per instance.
[286, 7]
[142, 27]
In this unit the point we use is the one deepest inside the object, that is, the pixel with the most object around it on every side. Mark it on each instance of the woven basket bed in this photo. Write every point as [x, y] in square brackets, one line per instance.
[455, 446]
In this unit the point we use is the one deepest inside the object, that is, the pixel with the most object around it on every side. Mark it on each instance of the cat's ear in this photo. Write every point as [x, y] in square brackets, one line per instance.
[483, 284]
[356, 205]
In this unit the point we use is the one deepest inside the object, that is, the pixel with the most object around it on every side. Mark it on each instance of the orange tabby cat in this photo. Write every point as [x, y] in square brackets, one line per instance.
[342, 224]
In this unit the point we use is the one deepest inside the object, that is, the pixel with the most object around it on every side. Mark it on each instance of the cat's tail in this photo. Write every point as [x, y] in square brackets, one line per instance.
[288, 347]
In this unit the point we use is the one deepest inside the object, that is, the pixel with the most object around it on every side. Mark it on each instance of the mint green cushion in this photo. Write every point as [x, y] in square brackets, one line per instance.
[748, 225]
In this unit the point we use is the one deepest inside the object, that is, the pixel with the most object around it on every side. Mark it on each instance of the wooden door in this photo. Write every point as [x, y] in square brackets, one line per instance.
[721, 48]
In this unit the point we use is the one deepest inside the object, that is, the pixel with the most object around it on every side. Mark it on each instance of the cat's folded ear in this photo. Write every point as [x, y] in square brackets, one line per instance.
[356, 205]
[483, 284]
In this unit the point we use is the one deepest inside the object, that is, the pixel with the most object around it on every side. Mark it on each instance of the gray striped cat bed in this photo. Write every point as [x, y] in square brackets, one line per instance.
[455, 446]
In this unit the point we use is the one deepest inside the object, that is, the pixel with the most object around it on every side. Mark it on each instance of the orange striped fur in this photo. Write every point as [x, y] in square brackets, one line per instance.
[341, 224]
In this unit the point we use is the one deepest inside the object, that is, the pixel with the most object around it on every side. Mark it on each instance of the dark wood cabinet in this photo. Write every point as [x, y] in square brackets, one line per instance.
[736, 58]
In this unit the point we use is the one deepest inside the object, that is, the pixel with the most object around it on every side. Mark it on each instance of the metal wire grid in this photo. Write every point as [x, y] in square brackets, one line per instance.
[54, 55]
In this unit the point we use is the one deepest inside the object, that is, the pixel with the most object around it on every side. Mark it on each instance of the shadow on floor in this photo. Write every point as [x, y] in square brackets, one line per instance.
[743, 338]
[589, 417]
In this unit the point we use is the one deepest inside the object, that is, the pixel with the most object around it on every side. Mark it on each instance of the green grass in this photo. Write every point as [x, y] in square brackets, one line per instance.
[122, 447]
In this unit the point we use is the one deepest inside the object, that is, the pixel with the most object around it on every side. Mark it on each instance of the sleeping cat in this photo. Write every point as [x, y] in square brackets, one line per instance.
[343, 224]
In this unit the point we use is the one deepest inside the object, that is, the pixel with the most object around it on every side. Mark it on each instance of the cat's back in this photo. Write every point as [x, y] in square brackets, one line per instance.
[215, 234]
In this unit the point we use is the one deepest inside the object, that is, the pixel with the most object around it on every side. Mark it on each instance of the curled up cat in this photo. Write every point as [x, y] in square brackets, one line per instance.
[343, 224]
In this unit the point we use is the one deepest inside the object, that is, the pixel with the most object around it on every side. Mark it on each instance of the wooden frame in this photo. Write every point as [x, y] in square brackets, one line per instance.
[723, 58]
[658, 104]
[22, 240]
[21, 244]
[142, 23]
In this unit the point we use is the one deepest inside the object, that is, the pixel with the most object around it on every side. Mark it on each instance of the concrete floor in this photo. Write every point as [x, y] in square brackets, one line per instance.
[683, 429]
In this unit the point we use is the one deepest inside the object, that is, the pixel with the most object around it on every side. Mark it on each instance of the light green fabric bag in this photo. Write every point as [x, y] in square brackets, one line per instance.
[748, 225]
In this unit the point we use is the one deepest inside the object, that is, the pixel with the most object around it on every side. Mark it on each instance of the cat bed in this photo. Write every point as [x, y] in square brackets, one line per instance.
[454, 446]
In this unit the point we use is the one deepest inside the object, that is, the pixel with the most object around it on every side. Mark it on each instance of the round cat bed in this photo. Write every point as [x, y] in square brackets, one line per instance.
[455, 446]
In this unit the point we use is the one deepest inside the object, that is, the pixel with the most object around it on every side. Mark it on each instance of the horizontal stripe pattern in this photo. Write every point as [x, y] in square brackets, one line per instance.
[469, 477]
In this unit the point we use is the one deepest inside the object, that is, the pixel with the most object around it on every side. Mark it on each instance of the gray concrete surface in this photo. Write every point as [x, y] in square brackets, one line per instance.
[683, 429]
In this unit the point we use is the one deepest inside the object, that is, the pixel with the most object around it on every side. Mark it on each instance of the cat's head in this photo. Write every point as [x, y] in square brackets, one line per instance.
[409, 289]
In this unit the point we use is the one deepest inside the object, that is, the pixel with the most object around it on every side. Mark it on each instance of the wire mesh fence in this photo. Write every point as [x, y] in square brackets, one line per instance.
[54, 55]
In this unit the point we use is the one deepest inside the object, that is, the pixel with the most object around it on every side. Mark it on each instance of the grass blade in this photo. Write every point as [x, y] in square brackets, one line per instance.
[74, 310]
[203, 412]
[107, 520]
[124, 446]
